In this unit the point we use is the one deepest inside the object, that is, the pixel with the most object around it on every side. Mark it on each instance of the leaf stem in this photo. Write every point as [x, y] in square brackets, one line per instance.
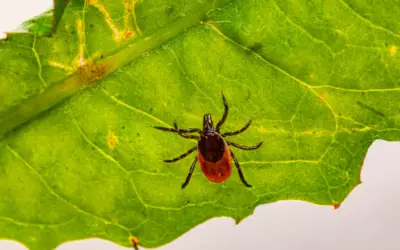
[89, 74]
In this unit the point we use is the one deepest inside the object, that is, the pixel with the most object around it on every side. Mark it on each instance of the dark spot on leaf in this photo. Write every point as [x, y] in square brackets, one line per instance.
[123, 127]
[248, 96]
[151, 110]
[91, 72]
[169, 10]
[372, 109]
[363, 93]
[102, 56]
[91, 25]
[188, 201]
[256, 47]
[138, 134]
[204, 18]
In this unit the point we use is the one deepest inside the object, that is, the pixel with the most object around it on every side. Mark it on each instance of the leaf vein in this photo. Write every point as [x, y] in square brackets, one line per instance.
[35, 224]
[303, 29]
[18, 156]
[120, 102]
[369, 22]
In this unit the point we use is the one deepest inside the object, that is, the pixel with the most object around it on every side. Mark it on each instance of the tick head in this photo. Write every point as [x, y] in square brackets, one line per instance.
[207, 123]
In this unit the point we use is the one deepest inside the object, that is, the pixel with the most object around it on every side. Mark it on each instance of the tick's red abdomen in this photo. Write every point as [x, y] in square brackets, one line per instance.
[216, 171]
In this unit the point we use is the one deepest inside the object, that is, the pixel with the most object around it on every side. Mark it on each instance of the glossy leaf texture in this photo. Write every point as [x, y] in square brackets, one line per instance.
[319, 79]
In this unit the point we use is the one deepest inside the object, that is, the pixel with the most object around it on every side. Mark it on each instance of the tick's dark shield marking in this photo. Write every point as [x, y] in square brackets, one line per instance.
[214, 154]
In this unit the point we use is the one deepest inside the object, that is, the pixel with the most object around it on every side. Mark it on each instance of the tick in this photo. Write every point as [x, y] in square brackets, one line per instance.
[214, 154]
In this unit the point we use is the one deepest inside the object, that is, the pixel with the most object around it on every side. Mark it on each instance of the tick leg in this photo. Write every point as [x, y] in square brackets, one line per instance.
[173, 130]
[219, 124]
[189, 136]
[244, 147]
[237, 131]
[165, 129]
[239, 170]
[182, 156]
[181, 132]
[188, 130]
[190, 173]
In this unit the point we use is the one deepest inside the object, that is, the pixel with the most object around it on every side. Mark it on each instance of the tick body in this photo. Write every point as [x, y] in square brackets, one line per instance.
[214, 156]
[213, 152]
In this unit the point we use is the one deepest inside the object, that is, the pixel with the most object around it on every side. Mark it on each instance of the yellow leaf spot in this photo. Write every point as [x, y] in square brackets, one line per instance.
[112, 140]
[393, 50]
[339, 32]
[261, 130]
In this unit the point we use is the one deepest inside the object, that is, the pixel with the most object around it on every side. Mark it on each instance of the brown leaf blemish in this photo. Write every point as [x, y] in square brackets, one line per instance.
[91, 71]
[134, 241]
[128, 34]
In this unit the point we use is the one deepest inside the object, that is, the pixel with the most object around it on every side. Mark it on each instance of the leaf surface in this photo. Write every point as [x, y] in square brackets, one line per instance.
[79, 157]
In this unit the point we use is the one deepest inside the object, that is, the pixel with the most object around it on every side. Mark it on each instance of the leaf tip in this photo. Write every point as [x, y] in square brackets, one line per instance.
[336, 206]
[135, 242]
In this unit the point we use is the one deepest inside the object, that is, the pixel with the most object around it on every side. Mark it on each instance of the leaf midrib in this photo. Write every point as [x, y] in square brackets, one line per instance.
[91, 73]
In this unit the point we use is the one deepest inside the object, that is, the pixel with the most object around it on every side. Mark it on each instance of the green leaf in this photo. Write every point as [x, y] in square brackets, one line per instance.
[79, 157]
[46, 24]
[40, 25]
[59, 7]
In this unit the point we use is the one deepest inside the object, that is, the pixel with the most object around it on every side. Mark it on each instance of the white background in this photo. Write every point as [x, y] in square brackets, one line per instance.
[368, 219]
